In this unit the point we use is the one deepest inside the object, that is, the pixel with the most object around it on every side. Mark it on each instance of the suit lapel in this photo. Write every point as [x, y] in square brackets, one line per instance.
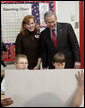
[59, 34]
[58, 30]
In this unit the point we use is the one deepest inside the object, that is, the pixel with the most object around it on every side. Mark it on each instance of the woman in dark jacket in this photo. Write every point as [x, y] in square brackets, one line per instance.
[28, 42]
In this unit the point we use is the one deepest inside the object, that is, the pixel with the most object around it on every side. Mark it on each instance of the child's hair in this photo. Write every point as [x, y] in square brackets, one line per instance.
[20, 56]
[59, 58]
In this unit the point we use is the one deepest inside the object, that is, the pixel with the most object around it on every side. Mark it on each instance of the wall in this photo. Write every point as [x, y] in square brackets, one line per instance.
[68, 11]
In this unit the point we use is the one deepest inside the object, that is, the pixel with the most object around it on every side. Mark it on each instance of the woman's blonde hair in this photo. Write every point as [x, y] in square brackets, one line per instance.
[26, 20]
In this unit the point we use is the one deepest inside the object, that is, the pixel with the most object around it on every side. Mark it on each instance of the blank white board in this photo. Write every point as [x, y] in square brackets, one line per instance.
[41, 88]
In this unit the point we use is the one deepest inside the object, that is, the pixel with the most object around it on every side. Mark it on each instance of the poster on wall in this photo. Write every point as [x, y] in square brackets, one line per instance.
[43, 8]
[11, 17]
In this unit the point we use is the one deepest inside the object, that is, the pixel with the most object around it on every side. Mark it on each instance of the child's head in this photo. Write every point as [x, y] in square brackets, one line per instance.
[21, 62]
[59, 61]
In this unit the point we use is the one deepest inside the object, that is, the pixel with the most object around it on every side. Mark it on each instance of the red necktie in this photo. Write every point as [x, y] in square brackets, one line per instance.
[54, 38]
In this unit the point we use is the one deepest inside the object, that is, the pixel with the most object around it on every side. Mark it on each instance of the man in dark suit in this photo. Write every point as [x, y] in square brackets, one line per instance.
[59, 37]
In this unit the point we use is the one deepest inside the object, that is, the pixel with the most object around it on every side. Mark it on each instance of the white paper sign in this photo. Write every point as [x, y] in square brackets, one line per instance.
[41, 88]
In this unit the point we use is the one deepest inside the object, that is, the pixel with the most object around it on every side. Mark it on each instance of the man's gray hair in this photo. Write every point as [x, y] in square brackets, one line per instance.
[49, 14]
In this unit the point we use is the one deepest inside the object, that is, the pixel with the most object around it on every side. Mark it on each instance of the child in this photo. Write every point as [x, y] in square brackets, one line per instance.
[21, 63]
[59, 61]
